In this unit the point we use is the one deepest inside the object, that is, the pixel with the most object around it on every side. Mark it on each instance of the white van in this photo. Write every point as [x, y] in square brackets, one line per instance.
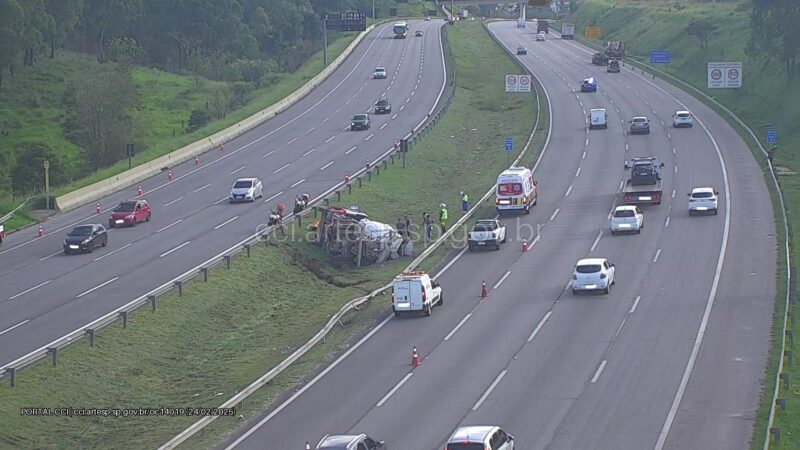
[598, 118]
[516, 190]
[415, 291]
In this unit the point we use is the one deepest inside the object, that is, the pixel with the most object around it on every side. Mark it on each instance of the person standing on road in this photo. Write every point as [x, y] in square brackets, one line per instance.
[427, 230]
[443, 217]
[464, 202]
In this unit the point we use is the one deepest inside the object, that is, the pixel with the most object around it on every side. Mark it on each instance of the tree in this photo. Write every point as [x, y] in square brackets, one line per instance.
[775, 32]
[702, 29]
[11, 34]
[65, 15]
[28, 172]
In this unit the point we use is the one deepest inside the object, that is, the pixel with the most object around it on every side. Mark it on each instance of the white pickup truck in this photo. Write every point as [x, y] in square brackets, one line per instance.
[485, 233]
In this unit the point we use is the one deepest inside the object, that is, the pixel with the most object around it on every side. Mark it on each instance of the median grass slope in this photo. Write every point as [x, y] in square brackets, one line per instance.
[199, 349]
[766, 97]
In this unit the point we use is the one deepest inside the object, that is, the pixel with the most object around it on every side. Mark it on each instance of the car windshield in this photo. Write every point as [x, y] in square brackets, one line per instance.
[623, 213]
[488, 226]
[383, 103]
[702, 195]
[465, 446]
[509, 189]
[683, 115]
[81, 231]
[588, 268]
[360, 117]
[125, 207]
[639, 120]
[242, 184]
[380, 69]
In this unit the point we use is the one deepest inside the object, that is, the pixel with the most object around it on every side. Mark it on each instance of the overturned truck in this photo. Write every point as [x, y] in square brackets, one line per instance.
[350, 234]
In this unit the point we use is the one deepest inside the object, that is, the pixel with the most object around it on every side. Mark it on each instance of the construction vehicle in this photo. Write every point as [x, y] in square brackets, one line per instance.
[615, 49]
[643, 186]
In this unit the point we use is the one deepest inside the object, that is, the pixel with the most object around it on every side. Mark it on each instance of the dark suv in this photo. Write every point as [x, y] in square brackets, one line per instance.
[85, 238]
[613, 66]
[599, 59]
[383, 106]
[349, 442]
[360, 122]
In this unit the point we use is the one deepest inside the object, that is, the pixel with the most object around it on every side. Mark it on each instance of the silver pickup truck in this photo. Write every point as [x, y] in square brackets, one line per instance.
[487, 233]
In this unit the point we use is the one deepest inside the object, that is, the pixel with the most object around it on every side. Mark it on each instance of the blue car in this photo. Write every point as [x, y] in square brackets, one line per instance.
[589, 85]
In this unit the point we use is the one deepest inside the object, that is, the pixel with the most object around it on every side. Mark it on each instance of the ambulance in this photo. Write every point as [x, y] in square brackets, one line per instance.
[516, 190]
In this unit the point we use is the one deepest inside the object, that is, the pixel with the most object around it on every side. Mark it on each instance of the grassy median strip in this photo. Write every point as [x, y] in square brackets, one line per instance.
[199, 349]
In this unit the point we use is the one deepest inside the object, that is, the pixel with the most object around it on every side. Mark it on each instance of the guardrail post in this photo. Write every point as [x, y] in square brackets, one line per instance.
[247, 249]
[204, 271]
[300, 216]
[785, 377]
[776, 434]
[359, 181]
[349, 188]
[385, 166]
[124, 316]
[91, 333]
[790, 335]
[789, 356]
[369, 176]
[54, 352]
[338, 196]
[391, 157]
[227, 261]
[377, 170]
[316, 211]
[780, 403]
[12, 375]
[179, 285]
[152, 300]
[793, 284]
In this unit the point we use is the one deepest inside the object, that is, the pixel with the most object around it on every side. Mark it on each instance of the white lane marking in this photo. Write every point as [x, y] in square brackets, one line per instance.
[453, 331]
[584, 155]
[394, 116]
[384, 126]
[326, 166]
[568, 191]
[173, 202]
[669, 136]
[599, 371]
[609, 215]
[489, 391]
[658, 253]
[50, 256]
[596, 240]
[201, 188]
[578, 172]
[298, 183]
[407, 100]
[174, 249]
[369, 137]
[273, 197]
[267, 154]
[586, 143]
[309, 152]
[337, 111]
[326, 119]
[238, 170]
[29, 290]
[635, 304]
[169, 226]
[394, 389]
[539, 326]
[674, 151]
[351, 150]
[676, 169]
[226, 222]
[114, 251]
[330, 139]
[497, 285]
[291, 141]
[311, 129]
[666, 223]
[14, 326]
[673, 193]
[626, 146]
[284, 166]
[402, 107]
[555, 213]
[97, 287]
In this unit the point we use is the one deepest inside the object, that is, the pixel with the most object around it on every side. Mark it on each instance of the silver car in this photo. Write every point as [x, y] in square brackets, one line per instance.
[480, 437]
[246, 190]
[640, 125]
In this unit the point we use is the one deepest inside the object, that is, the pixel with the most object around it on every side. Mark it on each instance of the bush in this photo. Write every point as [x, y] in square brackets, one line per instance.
[198, 119]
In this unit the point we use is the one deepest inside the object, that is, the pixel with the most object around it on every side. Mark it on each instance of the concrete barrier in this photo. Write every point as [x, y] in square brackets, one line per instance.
[141, 172]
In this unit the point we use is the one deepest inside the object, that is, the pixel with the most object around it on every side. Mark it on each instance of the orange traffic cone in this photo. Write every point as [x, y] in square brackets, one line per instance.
[415, 362]
[140, 190]
[41, 231]
[196, 161]
[484, 291]
[524, 246]
[169, 175]
[97, 209]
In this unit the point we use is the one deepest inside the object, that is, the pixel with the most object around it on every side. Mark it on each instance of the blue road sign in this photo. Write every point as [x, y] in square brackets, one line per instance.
[659, 57]
[772, 136]
[508, 144]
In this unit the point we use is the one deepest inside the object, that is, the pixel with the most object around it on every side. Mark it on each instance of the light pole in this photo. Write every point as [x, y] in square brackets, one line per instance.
[325, 42]
[46, 164]
[373, 11]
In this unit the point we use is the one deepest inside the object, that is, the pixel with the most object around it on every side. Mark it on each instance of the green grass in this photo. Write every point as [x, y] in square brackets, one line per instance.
[197, 350]
[766, 97]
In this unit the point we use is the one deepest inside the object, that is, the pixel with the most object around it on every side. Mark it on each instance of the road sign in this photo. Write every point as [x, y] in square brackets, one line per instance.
[518, 83]
[509, 145]
[347, 21]
[659, 57]
[772, 136]
[593, 32]
[724, 75]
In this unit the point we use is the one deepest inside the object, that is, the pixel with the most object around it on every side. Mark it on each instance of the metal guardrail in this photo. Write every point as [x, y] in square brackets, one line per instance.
[771, 431]
[353, 304]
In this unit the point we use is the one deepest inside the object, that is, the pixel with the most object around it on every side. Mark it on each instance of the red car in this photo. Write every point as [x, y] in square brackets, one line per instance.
[129, 214]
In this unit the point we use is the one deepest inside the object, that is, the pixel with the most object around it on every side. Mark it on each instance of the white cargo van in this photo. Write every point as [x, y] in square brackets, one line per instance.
[598, 118]
[516, 190]
[415, 291]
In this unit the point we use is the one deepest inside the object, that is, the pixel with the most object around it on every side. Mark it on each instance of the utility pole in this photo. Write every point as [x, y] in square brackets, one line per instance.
[373, 11]
[47, 181]
[325, 42]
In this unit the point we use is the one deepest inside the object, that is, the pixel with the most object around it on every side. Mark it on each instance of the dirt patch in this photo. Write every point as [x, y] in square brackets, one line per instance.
[319, 271]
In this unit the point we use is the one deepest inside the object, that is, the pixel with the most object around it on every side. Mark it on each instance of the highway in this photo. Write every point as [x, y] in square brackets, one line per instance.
[671, 358]
[45, 294]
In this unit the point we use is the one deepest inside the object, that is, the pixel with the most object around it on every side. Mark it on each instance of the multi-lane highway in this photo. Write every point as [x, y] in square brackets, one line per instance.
[671, 358]
[45, 294]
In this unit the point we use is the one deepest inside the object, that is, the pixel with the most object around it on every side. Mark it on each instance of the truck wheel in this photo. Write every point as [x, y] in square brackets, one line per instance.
[471, 247]
[502, 242]
[397, 313]
[715, 212]
[428, 310]
[574, 292]
[497, 246]
[613, 232]
[607, 290]
[528, 209]
[441, 300]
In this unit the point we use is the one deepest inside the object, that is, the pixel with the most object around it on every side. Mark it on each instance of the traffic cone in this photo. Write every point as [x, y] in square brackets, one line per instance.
[140, 190]
[169, 175]
[41, 231]
[196, 161]
[415, 362]
[308, 446]
[484, 291]
[97, 208]
[524, 246]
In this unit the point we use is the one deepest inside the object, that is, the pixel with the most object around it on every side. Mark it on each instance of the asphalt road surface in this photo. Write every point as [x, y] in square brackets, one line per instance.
[45, 294]
[671, 358]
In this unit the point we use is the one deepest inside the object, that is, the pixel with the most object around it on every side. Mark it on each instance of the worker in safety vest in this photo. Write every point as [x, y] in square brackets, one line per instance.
[443, 217]
[464, 202]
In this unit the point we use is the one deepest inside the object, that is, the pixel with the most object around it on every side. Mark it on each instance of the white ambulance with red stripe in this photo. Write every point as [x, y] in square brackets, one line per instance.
[516, 190]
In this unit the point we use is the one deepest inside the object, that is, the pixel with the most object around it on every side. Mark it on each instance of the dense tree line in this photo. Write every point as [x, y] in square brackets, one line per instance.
[776, 33]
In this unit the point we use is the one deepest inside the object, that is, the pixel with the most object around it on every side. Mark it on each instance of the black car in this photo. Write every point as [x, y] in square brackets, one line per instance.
[383, 106]
[522, 51]
[599, 59]
[360, 122]
[613, 66]
[85, 238]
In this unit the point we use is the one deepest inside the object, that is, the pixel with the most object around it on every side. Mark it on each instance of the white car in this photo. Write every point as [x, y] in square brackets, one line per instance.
[380, 73]
[540, 37]
[682, 119]
[703, 200]
[593, 274]
[627, 218]
[246, 190]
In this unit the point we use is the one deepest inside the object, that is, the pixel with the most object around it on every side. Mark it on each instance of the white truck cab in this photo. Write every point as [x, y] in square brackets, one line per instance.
[598, 118]
[516, 190]
[414, 292]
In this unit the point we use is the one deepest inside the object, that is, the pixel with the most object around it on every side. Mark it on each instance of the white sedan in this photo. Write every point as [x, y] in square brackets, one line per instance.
[593, 274]
[541, 37]
[682, 119]
[703, 200]
[627, 218]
